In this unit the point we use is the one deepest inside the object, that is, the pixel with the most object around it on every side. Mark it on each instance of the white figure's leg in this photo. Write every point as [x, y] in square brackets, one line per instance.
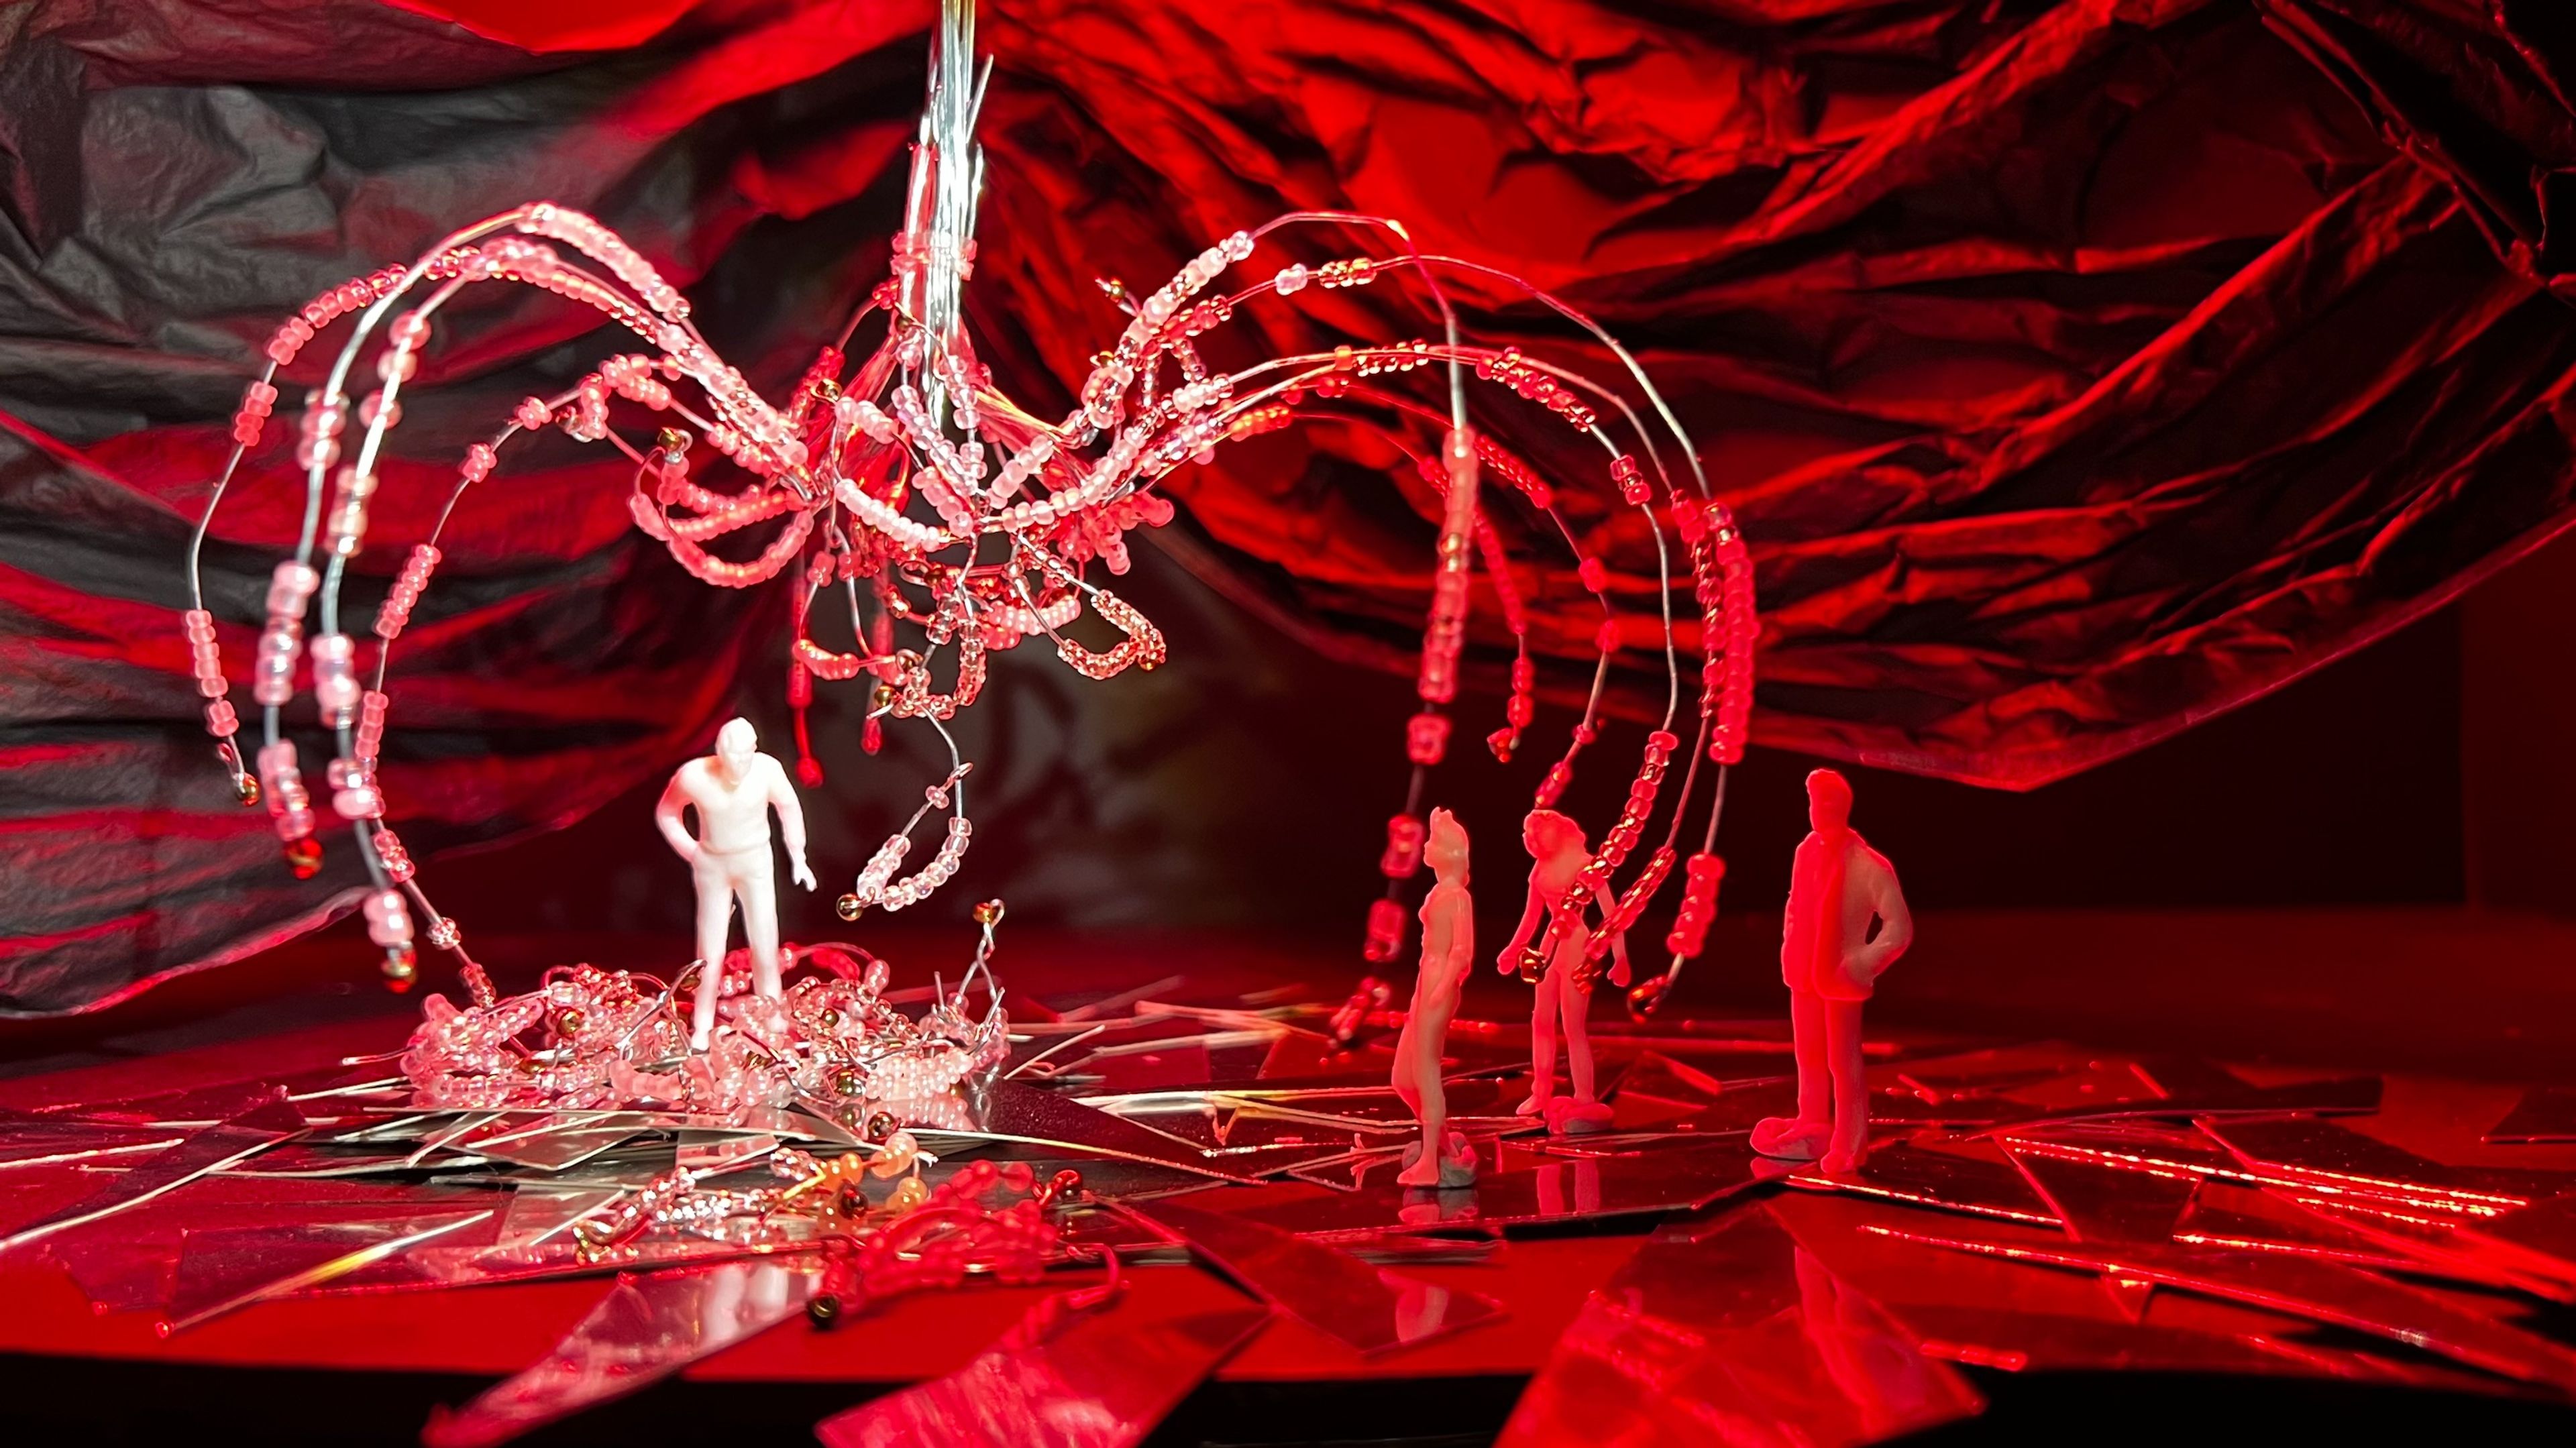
[759, 894]
[1851, 1086]
[1574, 1006]
[1542, 1046]
[715, 919]
[1811, 1039]
[1802, 1137]
[1582, 1111]
[1419, 1085]
[1401, 1078]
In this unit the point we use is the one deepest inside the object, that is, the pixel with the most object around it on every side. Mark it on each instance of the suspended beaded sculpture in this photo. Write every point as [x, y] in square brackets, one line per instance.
[933, 502]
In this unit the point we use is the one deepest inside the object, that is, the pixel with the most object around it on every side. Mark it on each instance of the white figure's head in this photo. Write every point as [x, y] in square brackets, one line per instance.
[1829, 800]
[736, 743]
[1448, 847]
[1549, 835]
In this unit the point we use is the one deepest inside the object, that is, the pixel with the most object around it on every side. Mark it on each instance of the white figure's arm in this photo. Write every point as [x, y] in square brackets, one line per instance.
[1618, 940]
[1508, 962]
[1895, 922]
[666, 817]
[1789, 912]
[791, 822]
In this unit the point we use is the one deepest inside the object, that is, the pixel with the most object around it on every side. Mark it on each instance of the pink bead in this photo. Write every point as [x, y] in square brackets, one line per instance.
[220, 720]
[388, 920]
[1426, 737]
[335, 675]
[370, 736]
[1403, 855]
[397, 860]
[289, 587]
[1385, 930]
[1699, 905]
[282, 785]
[1632, 483]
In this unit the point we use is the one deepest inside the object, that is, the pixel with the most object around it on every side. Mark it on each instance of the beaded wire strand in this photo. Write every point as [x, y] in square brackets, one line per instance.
[885, 479]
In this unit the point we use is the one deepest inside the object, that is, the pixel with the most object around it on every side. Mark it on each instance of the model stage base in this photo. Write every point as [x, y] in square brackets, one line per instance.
[2024, 1207]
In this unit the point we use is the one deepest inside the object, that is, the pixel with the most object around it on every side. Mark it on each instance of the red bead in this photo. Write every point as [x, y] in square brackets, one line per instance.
[1385, 930]
[1426, 737]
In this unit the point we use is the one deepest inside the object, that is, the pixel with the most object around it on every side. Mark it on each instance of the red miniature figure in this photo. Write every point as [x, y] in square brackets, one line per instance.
[1839, 888]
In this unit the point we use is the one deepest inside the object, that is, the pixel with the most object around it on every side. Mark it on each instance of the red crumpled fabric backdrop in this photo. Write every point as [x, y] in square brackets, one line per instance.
[2079, 369]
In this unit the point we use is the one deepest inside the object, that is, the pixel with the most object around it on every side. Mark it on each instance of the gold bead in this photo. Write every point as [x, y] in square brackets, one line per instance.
[989, 913]
[568, 1022]
[881, 697]
[400, 971]
[246, 789]
[848, 907]
[1648, 998]
[671, 440]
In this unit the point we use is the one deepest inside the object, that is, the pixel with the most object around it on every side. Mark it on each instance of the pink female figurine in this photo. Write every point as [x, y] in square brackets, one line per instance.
[1555, 842]
[1838, 889]
[1442, 1158]
[733, 791]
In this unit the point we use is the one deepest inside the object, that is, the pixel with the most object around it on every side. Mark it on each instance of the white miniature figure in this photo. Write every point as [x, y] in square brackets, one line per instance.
[1442, 1158]
[1555, 843]
[1845, 925]
[733, 791]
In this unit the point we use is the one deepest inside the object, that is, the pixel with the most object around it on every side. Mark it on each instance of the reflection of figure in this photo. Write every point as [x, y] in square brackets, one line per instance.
[1839, 888]
[1585, 1173]
[1425, 1207]
[1556, 844]
[1879, 1372]
[733, 791]
[1421, 1308]
[739, 1299]
[1442, 1158]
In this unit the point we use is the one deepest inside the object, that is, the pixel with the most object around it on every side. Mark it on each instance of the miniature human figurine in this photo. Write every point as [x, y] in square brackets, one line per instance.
[733, 791]
[1838, 889]
[1442, 1158]
[1555, 843]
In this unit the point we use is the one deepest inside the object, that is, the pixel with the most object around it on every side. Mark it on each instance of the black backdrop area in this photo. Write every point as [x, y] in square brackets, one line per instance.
[1245, 784]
